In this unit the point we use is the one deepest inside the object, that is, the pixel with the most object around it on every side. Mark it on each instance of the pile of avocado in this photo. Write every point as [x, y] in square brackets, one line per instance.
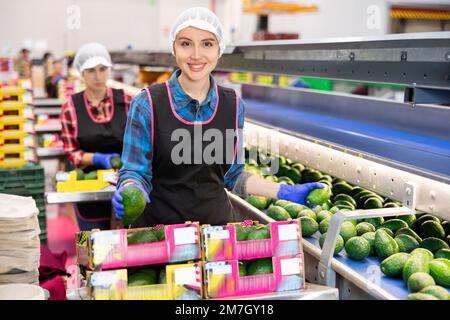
[81, 175]
[142, 276]
[395, 240]
[146, 236]
[255, 266]
[244, 233]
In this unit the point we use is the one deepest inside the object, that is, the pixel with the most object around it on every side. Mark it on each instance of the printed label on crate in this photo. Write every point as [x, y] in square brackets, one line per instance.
[184, 236]
[27, 98]
[219, 234]
[109, 177]
[25, 84]
[290, 266]
[288, 232]
[105, 238]
[186, 276]
[222, 269]
[103, 279]
[28, 127]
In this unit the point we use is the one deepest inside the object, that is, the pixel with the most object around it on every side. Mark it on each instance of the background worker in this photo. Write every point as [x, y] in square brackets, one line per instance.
[93, 125]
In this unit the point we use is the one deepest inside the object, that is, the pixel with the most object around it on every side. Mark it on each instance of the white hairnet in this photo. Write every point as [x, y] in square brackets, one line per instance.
[91, 55]
[201, 18]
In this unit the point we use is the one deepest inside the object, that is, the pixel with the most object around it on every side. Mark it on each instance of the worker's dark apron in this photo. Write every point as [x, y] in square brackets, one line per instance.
[189, 191]
[99, 137]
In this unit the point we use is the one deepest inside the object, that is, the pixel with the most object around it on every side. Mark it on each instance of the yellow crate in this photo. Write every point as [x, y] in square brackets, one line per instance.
[264, 79]
[12, 108]
[12, 138]
[74, 185]
[11, 93]
[241, 77]
[12, 156]
[12, 123]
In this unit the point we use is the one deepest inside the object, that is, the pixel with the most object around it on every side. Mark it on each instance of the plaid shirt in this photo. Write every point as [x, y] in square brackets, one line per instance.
[137, 147]
[69, 125]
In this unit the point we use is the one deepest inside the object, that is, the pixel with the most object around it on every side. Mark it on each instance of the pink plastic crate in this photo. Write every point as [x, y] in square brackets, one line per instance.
[110, 249]
[223, 280]
[219, 243]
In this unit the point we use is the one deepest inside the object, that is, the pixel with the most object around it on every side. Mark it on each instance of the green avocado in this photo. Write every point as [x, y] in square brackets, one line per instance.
[134, 203]
[142, 277]
[278, 213]
[143, 236]
[318, 196]
[116, 163]
[260, 266]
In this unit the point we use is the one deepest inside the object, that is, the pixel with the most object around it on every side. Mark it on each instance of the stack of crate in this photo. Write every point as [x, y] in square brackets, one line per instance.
[27, 181]
[141, 264]
[248, 258]
[19, 173]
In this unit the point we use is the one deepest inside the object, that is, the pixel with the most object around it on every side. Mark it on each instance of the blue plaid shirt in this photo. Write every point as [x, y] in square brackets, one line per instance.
[137, 147]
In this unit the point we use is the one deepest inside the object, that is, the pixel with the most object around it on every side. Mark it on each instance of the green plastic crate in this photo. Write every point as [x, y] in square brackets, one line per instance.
[25, 181]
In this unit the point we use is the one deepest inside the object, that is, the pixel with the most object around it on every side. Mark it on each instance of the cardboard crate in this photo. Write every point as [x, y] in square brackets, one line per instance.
[109, 249]
[222, 279]
[219, 243]
[183, 282]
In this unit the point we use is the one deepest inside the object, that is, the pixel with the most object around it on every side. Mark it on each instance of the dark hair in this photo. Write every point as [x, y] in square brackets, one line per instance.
[46, 56]
[25, 50]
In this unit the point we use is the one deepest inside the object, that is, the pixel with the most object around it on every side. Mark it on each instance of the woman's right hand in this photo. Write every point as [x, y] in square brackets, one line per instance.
[117, 201]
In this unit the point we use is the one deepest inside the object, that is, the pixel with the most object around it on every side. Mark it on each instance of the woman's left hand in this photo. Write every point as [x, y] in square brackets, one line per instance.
[299, 192]
[103, 159]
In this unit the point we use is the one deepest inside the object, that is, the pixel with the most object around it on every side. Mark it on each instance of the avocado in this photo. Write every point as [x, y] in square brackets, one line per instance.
[385, 245]
[134, 203]
[431, 228]
[298, 166]
[364, 227]
[282, 171]
[355, 190]
[341, 187]
[294, 175]
[271, 178]
[260, 266]
[419, 281]
[376, 222]
[282, 203]
[278, 213]
[339, 243]
[310, 175]
[242, 268]
[323, 215]
[259, 233]
[406, 243]
[440, 271]
[389, 231]
[422, 219]
[436, 291]
[391, 205]
[348, 230]
[93, 175]
[446, 226]
[307, 213]
[294, 209]
[159, 233]
[373, 203]
[309, 226]
[334, 210]
[142, 277]
[162, 276]
[370, 236]
[434, 244]
[409, 219]
[357, 248]
[143, 236]
[423, 252]
[116, 163]
[327, 177]
[393, 266]
[409, 232]
[80, 174]
[443, 253]
[324, 224]
[318, 196]
[344, 203]
[344, 197]
[394, 225]
[258, 202]
[421, 296]
[241, 234]
[285, 180]
[418, 262]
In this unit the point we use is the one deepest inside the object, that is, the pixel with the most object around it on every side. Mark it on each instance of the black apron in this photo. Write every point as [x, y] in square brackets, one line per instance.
[99, 137]
[189, 192]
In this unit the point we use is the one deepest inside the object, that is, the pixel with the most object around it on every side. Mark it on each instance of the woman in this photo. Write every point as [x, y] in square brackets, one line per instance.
[93, 125]
[190, 101]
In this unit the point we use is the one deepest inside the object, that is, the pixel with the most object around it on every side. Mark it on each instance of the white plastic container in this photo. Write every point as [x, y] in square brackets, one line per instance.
[20, 291]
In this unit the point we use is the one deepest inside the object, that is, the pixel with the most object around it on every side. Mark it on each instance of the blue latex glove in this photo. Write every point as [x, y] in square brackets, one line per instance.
[299, 192]
[102, 159]
[117, 199]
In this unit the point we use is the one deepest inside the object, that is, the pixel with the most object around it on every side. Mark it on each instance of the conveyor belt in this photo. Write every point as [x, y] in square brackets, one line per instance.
[423, 152]
[368, 268]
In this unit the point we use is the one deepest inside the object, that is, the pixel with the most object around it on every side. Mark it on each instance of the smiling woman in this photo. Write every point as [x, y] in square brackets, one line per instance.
[186, 180]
